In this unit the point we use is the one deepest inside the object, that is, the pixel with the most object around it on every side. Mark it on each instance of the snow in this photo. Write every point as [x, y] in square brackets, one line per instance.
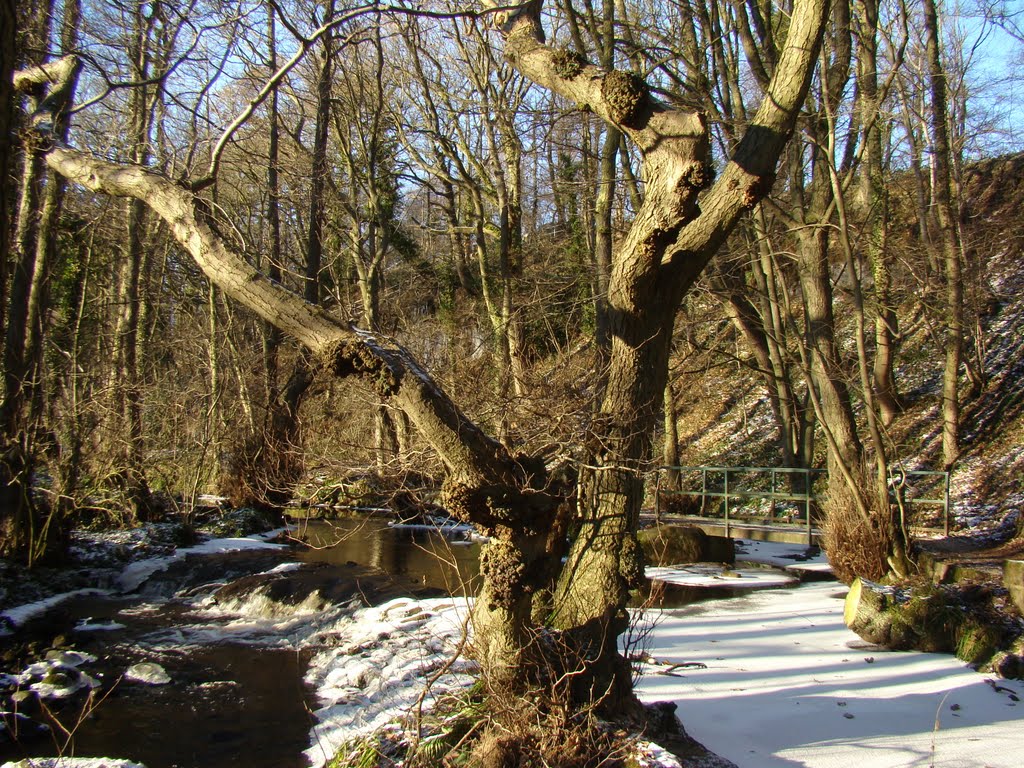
[787, 684]
[285, 568]
[58, 676]
[136, 574]
[147, 673]
[379, 665]
[792, 559]
[73, 762]
[797, 558]
[15, 617]
[712, 575]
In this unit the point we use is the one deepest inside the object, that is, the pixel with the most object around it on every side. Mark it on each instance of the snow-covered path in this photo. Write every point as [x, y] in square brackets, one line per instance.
[784, 687]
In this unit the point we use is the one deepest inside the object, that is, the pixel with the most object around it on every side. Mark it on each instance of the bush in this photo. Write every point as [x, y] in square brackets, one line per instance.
[855, 546]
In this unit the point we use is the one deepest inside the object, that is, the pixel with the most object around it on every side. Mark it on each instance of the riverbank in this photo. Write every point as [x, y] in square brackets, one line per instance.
[765, 679]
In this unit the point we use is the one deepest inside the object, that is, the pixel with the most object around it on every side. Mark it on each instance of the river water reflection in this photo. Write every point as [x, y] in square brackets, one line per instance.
[442, 557]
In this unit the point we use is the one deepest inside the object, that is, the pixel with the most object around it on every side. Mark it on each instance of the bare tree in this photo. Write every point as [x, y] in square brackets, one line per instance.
[948, 237]
[516, 498]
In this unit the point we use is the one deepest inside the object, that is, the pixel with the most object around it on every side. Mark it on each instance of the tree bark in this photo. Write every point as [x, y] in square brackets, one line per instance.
[875, 204]
[827, 373]
[11, 493]
[668, 245]
[949, 239]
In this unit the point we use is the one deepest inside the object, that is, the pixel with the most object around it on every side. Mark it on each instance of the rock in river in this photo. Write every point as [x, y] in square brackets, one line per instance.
[148, 673]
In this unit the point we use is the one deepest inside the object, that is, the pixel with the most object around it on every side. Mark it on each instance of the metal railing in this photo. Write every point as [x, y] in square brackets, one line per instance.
[900, 483]
[737, 486]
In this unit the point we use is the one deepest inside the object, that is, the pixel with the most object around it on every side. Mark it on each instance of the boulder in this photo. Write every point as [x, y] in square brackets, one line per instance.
[147, 673]
[1013, 580]
[675, 544]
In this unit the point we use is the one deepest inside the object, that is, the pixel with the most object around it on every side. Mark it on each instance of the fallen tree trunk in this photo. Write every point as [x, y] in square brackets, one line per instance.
[967, 620]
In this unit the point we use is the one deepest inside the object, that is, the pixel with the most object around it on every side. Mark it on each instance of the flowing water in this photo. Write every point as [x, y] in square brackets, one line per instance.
[231, 702]
[235, 698]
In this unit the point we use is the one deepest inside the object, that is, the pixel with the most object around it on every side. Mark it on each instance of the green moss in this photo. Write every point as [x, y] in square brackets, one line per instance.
[631, 562]
[358, 753]
[978, 642]
[501, 564]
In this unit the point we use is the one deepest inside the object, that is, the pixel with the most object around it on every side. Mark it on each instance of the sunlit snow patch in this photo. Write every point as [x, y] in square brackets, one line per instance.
[58, 676]
[15, 617]
[382, 660]
[791, 557]
[712, 575]
[147, 673]
[136, 574]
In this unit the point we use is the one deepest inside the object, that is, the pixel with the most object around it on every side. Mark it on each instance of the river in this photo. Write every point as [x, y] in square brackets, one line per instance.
[237, 695]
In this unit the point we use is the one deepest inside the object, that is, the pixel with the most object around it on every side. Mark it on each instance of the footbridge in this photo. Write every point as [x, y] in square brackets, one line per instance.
[782, 503]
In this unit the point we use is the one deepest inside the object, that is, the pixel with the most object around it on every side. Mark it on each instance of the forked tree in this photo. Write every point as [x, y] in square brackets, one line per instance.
[522, 502]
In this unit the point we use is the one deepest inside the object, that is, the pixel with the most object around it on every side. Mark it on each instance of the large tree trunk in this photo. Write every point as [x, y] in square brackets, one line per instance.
[514, 499]
[667, 247]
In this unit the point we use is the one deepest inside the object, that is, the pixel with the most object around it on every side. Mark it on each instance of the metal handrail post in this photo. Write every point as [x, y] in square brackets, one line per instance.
[703, 490]
[807, 505]
[657, 498]
[945, 505]
[727, 503]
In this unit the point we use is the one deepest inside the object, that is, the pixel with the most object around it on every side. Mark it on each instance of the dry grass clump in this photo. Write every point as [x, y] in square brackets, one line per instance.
[856, 546]
[553, 738]
[262, 472]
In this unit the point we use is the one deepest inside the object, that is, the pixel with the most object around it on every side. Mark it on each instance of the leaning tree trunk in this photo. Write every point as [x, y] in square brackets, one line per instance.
[509, 498]
[515, 499]
[668, 245]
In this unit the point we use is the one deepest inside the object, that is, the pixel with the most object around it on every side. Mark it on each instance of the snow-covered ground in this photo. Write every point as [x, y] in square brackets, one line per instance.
[786, 684]
[772, 678]
[375, 669]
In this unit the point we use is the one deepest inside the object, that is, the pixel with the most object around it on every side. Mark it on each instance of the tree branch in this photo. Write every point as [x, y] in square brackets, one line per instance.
[750, 173]
[472, 457]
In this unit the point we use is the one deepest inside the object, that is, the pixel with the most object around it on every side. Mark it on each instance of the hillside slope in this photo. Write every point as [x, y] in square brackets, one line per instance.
[725, 418]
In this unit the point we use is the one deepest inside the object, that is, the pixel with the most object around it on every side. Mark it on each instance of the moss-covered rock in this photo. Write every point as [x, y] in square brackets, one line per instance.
[1013, 580]
[674, 544]
[968, 620]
